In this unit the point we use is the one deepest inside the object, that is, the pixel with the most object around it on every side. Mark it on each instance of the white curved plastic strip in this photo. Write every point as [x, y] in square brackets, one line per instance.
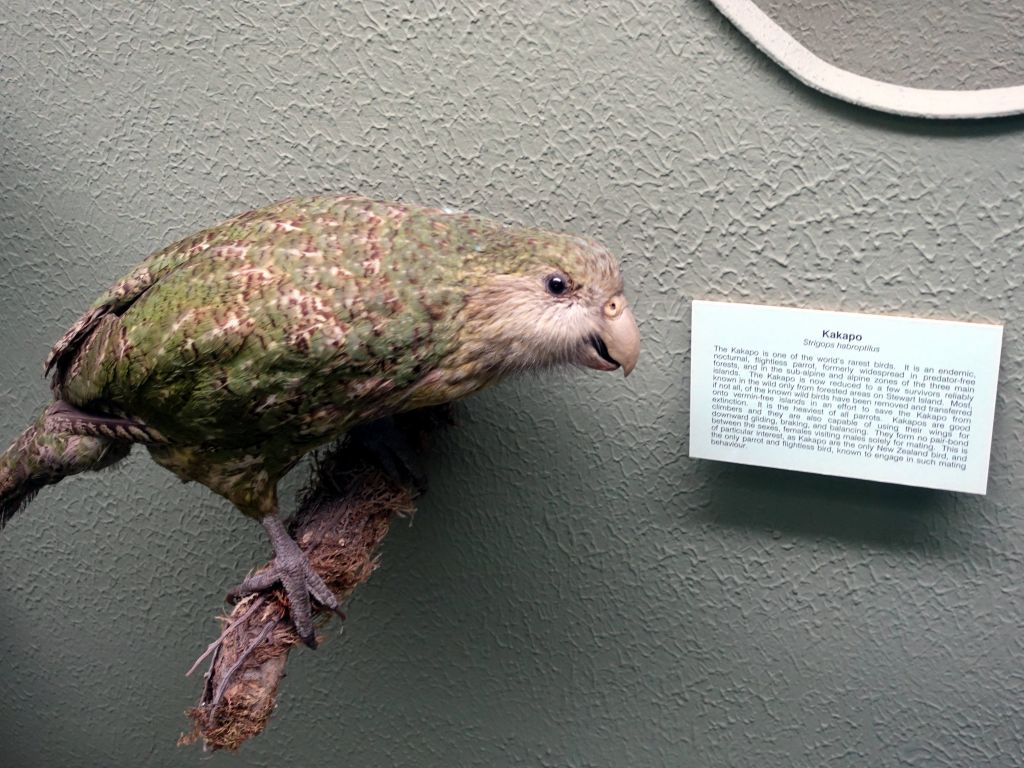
[781, 47]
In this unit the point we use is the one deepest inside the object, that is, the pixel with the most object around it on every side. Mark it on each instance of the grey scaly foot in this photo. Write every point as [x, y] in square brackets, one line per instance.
[291, 569]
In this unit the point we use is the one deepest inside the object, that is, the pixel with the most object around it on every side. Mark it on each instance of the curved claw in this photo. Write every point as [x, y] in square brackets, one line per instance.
[292, 570]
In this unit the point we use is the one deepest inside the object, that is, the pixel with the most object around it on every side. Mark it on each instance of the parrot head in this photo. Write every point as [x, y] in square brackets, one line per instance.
[548, 300]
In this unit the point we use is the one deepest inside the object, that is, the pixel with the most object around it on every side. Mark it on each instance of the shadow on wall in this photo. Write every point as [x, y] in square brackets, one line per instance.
[909, 126]
[817, 506]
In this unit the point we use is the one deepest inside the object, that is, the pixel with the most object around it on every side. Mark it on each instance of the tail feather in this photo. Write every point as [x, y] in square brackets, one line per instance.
[12, 503]
[42, 456]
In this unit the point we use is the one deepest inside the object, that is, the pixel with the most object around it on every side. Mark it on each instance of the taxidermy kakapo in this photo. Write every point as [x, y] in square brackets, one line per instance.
[235, 351]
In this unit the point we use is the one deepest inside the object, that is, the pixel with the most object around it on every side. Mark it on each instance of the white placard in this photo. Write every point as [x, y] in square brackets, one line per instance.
[896, 399]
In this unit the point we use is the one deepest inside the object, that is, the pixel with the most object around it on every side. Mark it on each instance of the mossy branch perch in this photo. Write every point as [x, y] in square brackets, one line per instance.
[343, 515]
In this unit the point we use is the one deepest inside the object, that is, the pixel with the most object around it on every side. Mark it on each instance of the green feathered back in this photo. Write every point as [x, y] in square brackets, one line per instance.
[236, 350]
[282, 327]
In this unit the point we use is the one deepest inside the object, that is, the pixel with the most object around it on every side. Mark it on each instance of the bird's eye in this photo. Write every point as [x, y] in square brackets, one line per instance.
[557, 284]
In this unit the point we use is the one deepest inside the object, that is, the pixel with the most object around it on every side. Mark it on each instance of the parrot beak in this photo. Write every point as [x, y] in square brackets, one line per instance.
[618, 344]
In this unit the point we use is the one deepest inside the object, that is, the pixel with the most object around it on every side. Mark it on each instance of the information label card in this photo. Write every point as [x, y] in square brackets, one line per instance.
[896, 399]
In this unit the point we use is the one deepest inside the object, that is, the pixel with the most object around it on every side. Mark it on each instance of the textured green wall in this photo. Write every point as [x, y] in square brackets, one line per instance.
[575, 590]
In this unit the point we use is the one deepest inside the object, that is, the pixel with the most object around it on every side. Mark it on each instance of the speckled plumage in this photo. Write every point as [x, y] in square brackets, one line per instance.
[237, 350]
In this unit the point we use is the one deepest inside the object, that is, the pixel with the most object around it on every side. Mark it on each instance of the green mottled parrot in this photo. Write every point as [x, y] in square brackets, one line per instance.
[235, 351]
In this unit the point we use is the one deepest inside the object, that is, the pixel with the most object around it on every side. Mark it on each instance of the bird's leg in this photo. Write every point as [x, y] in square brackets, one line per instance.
[292, 570]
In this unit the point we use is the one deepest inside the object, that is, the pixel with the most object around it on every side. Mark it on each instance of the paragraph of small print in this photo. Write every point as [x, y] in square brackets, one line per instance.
[896, 399]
